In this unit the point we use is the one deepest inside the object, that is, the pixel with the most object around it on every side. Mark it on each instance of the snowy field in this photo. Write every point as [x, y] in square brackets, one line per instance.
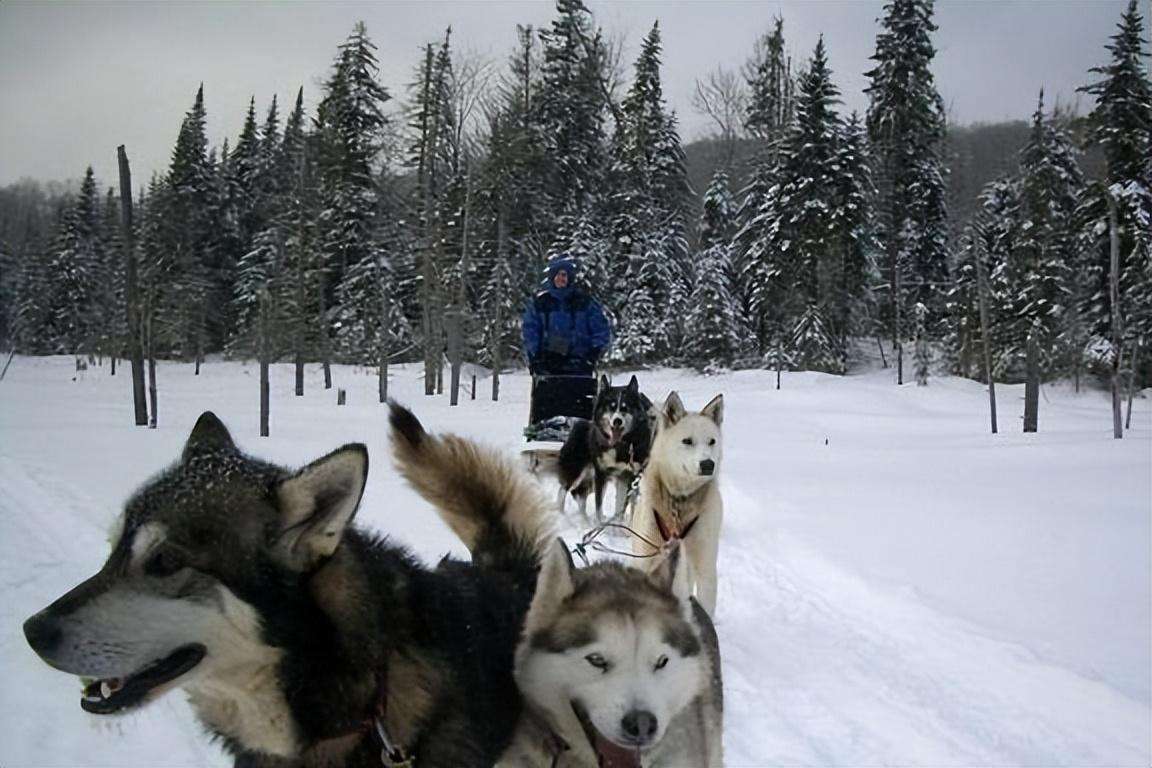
[897, 586]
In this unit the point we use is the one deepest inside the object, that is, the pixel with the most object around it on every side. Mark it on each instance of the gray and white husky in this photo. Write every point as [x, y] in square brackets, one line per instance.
[680, 492]
[617, 668]
[301, 640]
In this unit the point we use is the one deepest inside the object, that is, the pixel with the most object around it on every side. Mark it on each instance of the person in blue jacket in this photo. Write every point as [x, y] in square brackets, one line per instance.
[565, 330]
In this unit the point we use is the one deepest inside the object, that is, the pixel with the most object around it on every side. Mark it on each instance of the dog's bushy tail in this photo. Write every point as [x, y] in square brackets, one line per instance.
[485, 497]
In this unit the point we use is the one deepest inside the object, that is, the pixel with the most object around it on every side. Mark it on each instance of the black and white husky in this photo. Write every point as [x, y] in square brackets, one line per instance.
[613, 445]
[300, 639]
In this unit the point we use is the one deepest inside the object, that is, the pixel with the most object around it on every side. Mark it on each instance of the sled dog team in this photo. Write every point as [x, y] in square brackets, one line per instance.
[304, 640]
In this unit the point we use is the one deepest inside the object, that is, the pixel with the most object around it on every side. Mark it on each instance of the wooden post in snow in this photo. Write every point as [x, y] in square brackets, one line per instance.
[132, 290]
[1114, 293]
[982, 291]
[341, 396]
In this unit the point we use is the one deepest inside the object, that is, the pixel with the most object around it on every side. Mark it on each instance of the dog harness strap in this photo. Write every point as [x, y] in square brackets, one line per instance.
[676, 533]
[391, 754]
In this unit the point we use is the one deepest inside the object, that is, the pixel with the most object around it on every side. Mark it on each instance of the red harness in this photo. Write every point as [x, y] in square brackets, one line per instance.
[667, 533]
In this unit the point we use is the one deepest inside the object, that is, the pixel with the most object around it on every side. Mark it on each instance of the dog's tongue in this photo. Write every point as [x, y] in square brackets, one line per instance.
[616, 433]
[612, 755]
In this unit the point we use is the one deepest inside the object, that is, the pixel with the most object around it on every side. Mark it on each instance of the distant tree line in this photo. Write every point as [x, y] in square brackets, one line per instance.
[389, 227]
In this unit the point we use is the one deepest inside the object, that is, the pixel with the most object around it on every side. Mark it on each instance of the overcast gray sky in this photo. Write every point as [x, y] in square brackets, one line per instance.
[77, 79]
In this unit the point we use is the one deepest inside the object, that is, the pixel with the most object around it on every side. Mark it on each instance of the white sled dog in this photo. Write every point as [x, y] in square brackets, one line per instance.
[618, 669]
[679, 492]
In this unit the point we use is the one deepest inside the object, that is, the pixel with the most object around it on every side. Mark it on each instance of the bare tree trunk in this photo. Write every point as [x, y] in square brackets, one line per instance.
[880, 346]
[382, 383]
[1114, 284]
[200, 337]
[982, 291]
[11, 355]
[112, 363]
[132, 299]
[325, 352]
[152, 394]
[265, 405]
[1133, 370]
[1032, 383]
[299, 372]
[456, 324]
[498, 315]
[427, 272]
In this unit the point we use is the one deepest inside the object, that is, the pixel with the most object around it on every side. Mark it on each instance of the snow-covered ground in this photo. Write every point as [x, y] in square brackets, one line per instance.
[897, 586]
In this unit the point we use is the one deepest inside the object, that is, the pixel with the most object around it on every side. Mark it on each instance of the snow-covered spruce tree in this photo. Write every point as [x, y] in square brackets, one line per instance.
[34, 331]
[797, 263]
[1121, 125]
[244, 170]
[771, 111]
[350, 125]
[111, 286]
[1040, 268]
[650, 205]
[570, 107]
[771, 87]
[906, 126]
[858, 274]
[711, 337]
[923, 354]
[962, 307]
[191, 300]
[73, 312]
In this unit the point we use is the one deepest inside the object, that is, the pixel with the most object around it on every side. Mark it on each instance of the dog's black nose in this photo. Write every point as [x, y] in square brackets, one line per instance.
[42, 633]
[707, 467]
[617, 421]
[639, 725]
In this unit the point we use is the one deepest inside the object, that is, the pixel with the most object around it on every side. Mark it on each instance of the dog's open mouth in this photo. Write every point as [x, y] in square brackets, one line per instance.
[609, 754]
[115, 694]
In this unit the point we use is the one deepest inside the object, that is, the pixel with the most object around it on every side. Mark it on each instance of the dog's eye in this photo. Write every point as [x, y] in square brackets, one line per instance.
[661, 662]
[688, 441]
[597, 661]
[712, 441]
[164, 563]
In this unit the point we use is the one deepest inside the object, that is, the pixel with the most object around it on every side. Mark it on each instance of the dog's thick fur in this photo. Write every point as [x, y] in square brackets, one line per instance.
[613, 445]
[657, 698]
[680, 492]
[245, 584]
[622, 666]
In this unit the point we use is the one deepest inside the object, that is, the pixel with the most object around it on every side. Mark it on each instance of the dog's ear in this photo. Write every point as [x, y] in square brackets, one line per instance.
[672, 573]
[556, 577]
[673, 409]
[605, 384]
[316, 505]
[208, 435]
[633, 385]
[715, 410]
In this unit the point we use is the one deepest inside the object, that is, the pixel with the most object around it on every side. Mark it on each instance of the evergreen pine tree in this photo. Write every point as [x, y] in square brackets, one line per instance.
[711, 337]
[906, 126]
[1121, 125]
[651, 202]
[75, 269]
